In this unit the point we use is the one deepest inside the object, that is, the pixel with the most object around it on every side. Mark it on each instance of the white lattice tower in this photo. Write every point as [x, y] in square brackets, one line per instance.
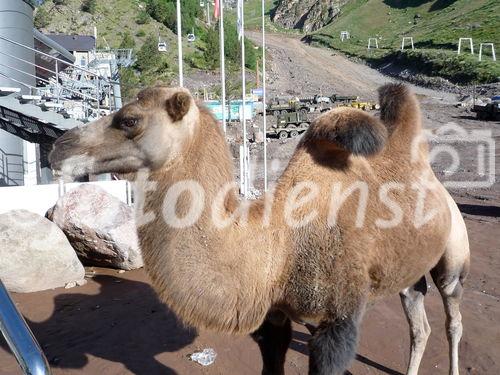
[344, 35]
[493, 55]
[409, 39]
[370, 43]
[463, 40]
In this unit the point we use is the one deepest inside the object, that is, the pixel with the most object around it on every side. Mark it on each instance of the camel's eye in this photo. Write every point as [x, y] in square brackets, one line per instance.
[129, 122]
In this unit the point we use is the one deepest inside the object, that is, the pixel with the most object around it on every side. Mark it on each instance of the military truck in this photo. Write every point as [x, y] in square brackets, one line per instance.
[289, 125]
[490, 111]
[318, 99]
[279, 107]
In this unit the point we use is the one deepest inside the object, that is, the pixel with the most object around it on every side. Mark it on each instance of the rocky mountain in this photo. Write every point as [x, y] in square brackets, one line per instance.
[307, 15]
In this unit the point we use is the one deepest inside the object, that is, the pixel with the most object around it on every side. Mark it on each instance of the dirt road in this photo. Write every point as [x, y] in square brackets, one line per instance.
[115, 324]
[300, 69]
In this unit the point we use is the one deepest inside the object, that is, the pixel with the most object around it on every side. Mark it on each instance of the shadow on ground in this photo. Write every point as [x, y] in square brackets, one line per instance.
[106, 326]
[480, 210]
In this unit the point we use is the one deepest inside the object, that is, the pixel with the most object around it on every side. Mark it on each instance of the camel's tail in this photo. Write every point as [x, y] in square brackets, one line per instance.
[399, 108]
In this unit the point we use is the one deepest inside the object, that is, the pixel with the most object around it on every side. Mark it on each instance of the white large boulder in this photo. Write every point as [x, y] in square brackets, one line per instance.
[35, 254]
[99, 226]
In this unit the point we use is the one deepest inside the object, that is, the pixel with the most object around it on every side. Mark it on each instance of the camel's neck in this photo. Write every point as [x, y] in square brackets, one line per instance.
[212, 275]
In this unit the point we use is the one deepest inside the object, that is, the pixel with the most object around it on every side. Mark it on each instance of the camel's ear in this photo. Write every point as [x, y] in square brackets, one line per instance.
[351, 130]
[178, 105]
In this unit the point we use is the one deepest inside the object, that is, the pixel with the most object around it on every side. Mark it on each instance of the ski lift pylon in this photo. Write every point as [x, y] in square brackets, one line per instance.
[191, 38]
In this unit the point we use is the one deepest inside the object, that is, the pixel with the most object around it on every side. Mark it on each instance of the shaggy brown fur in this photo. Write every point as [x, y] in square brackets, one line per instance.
[228, 279]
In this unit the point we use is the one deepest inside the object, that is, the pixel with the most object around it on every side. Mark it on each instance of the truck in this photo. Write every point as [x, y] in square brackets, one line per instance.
[490, 111]
[280, 106]
[289, 125]
[365, 106]
[319, 99]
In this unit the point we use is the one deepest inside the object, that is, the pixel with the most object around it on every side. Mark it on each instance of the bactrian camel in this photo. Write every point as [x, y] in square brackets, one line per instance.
[356, 216]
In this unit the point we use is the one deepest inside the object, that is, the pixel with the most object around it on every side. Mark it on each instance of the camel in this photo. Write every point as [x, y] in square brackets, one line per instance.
[357, 215]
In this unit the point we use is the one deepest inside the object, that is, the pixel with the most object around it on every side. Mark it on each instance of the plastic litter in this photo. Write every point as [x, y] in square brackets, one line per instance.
[204, 358]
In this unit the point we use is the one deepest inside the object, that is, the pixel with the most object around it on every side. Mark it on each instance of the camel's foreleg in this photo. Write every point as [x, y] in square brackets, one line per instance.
[412, 299]
[273, 338]
[333, 346]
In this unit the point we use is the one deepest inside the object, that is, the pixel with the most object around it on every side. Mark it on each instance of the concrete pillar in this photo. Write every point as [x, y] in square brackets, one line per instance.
[16, 24]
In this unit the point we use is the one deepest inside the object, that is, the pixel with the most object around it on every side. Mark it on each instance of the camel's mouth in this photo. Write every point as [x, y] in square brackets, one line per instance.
[72, 168]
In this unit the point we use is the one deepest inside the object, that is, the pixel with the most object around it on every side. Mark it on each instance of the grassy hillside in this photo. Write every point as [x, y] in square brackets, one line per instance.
[112, 18]
[435, 25]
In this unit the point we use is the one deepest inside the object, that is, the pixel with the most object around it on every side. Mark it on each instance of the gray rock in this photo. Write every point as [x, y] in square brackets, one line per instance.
[35, 254]
[307, 15]
[99, 226]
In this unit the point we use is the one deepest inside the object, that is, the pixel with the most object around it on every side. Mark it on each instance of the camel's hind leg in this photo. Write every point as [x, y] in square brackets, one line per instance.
[449, 276]
[273, 338]
[449, 280]
[412, 300]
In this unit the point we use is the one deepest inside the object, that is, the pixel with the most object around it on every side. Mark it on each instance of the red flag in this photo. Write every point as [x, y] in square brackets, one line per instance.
[216, 9]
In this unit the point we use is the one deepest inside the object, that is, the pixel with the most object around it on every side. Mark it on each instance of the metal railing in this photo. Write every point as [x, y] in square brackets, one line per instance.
[70, 81]
[19, 337]
[11, 164]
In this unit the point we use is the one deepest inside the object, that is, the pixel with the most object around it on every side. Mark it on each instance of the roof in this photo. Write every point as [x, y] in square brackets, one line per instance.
[79, 43]
[47, 45]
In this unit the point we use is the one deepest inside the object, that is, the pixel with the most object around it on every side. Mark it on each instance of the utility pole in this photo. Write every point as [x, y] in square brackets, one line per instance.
[243, 107]
[179, 44]
[264, 89]
[222, 62]
[258, 73]
[208, 12]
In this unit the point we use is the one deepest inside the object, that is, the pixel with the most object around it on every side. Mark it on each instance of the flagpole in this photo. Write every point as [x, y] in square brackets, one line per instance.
[244, 88]
[264, 90]
[222, 62]
[179, 44]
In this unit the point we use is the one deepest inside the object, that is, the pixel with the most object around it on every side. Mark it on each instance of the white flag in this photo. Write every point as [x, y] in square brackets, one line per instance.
[239, 23]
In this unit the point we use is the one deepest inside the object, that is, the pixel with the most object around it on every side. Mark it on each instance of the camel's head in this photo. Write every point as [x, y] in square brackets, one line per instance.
[150, 132]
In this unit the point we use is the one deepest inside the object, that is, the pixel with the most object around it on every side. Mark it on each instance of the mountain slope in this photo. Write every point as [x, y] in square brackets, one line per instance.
[435, 25]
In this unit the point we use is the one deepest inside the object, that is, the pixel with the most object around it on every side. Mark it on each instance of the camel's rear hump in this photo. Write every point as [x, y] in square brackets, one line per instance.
[399, 110]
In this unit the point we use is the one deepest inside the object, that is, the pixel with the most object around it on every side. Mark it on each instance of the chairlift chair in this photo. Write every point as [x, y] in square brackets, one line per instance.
[202, 3]
[162, 47]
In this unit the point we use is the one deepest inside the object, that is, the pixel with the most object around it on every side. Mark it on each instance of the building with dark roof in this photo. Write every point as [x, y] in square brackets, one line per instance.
[81, 46]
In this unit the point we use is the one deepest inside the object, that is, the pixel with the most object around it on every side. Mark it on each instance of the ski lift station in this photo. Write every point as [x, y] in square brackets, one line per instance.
[48, 84]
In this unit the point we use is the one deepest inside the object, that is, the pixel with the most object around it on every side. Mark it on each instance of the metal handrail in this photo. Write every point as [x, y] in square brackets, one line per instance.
[96, 81]
[56, 59]
[47, 81]
[55, 72]
[19, 337]
[5, 172]
[19, 82]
